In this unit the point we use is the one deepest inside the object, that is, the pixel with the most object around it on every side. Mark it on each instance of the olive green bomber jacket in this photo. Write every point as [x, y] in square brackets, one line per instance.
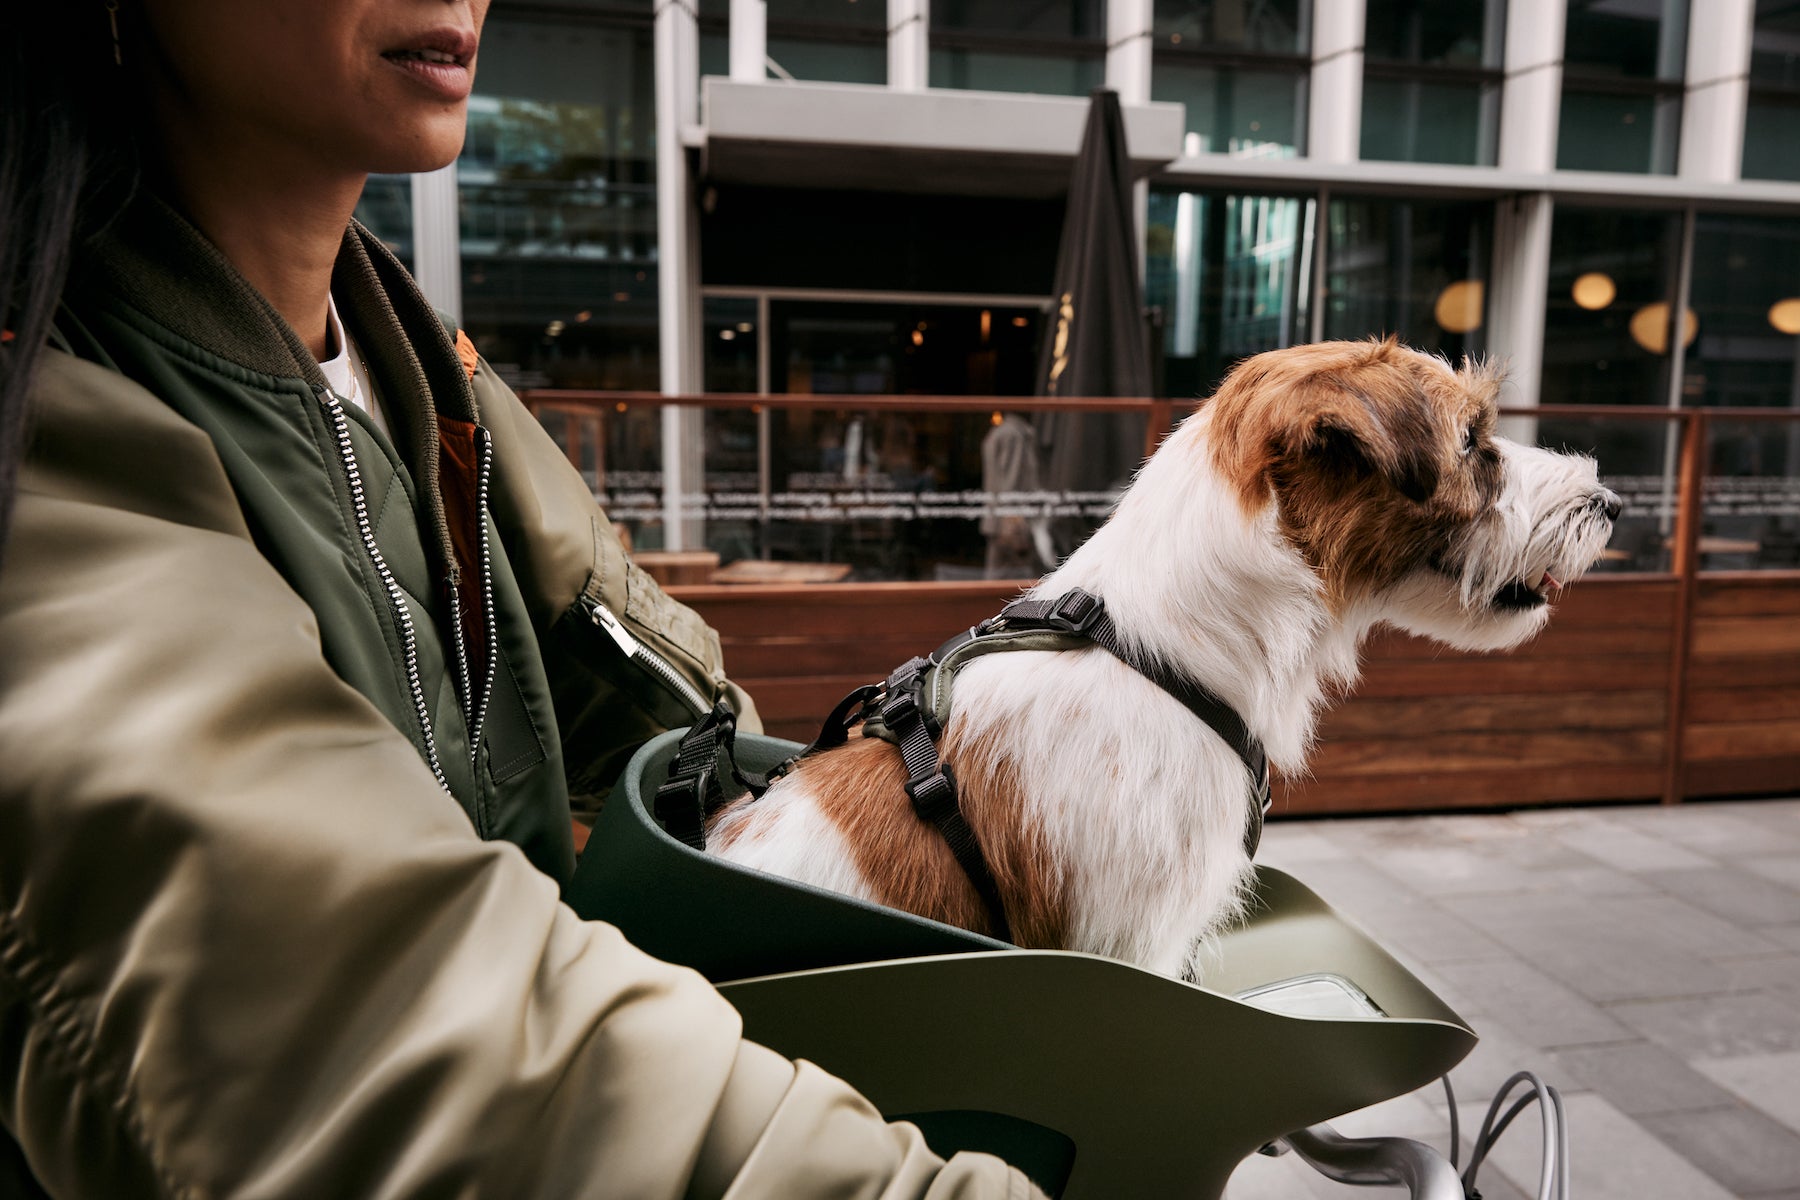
[248, 945]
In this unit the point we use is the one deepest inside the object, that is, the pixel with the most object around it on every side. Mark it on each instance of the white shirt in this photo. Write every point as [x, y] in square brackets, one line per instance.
[347, 374]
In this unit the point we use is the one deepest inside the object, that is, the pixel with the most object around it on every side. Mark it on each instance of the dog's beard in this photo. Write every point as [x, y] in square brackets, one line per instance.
[1492, 588]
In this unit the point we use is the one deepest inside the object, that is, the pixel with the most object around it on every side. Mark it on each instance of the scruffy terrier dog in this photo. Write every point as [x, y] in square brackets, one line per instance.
[1325, 489]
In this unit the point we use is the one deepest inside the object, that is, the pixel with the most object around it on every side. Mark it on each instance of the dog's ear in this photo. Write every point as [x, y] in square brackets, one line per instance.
[1347, 434]
[1334, 412]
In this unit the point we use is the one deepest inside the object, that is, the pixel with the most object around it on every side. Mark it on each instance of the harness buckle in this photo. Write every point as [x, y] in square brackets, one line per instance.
[901, 699]
[933, 795]
[1075, 611]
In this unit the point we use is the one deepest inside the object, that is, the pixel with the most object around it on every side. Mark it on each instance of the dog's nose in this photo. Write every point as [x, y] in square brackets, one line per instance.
[1608, 502]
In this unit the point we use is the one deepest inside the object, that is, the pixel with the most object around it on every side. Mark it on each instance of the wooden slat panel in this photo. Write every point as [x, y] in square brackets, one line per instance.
[1488, 676]
[1751, 671]
[873, 656]
[1758, 739]
[1487, 752]
[1717, 637]
[1405, 718]
[1555, 642]
[1493, 789]
[1718, 706]
[1612, 603]
[1776, 595]
[1778, 773]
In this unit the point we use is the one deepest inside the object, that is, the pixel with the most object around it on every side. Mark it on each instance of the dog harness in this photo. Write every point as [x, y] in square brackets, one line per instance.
[911, 709]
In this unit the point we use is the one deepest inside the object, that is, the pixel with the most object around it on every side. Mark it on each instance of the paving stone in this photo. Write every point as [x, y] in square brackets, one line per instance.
[1784, 868]
[1713, 830]
[1734, 894]
[1612, 948]
[1716, 1026]
[1777, 974]
[1771, 1082]
[1787, 935]
[1533, 1006]
[1290, 847]
[1627, 849]
[1611, 1157]
[1444, 870]
[1641, 1078]
[1497, 1058]
[1741, 1147]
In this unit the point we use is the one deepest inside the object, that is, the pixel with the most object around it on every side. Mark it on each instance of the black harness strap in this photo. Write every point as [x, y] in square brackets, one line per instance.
[1083, 614]
[692, 793]
[931, 785]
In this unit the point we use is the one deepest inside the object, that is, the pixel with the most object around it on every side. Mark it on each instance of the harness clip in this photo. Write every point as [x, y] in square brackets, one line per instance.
[1074, 612]
[933, 795]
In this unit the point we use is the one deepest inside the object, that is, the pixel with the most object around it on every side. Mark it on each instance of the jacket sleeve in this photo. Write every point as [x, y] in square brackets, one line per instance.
[247, 949]
[568, 559]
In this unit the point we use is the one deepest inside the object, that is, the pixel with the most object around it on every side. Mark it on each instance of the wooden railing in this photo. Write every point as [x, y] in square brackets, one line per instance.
[1653, 685]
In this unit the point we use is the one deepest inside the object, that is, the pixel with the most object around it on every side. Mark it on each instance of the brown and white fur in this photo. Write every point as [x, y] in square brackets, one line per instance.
[1324, 490]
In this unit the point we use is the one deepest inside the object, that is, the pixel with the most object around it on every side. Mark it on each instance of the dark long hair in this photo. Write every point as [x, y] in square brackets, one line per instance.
[65, 160]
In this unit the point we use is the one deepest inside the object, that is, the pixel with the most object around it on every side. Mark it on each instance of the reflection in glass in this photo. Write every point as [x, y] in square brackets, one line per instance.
[1241, 70]
[1408, 120]
[1415, 269]
[386, 208]
[1751, 506]
[989, 71]
[1453, 33]
[1622, 69]
[1253, 114]
[1050, 47]
[1745, 292]
[1771, 151]
[558, 184]
[1231, 275]
[1431, 80]
[1605, 268]
[1271, 27]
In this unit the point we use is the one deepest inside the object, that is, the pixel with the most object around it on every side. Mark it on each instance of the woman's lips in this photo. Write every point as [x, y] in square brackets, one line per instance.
[442, 72]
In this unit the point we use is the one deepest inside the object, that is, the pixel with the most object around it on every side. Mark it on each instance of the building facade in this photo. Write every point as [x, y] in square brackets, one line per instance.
[864, 197]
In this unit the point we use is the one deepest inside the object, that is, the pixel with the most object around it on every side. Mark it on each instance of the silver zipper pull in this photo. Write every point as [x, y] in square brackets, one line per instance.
[615, 629]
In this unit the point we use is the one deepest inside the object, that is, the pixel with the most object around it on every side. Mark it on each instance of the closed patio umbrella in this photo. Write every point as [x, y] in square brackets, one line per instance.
[1095, 344]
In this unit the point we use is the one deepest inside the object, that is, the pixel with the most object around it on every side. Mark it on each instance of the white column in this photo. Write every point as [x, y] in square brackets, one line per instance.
[749, 41]
[1718, 90]
[1521, 281]
[1334, 107]
[909, 45]
[1531, 96]
[677, 52]
[1129, 40]
[437, 239]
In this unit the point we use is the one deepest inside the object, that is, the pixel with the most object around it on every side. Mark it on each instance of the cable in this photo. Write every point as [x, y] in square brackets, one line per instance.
[1554, 1174]
[1455, 1124]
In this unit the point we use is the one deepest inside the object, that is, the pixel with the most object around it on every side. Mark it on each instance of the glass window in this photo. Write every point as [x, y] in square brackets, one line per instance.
[1611, 284]
[1241, 70]
[1431, 80]
[1231, 275]
[386, 208]
[558, 185]
[1051, 47]
[1271, 27]
[1416, 269]
[1771, 149]
[1622, 71]
[1746, 306]
[1411, 120]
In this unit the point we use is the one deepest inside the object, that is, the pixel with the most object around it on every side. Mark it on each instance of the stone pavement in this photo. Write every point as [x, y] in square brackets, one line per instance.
[1644, 960]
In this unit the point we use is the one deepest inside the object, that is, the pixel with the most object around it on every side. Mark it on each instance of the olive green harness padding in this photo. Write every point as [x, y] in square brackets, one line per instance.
[937, 682]
[938, 686]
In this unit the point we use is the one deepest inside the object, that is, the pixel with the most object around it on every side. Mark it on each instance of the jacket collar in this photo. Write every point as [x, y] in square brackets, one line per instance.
[155, 261]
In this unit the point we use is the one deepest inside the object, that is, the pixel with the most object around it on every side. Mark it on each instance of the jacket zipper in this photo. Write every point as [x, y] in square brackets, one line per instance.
[340, 425]
[475, 704]
[647, 658]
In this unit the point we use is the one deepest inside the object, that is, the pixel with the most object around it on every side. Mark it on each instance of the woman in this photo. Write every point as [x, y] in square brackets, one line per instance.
[298, 669]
